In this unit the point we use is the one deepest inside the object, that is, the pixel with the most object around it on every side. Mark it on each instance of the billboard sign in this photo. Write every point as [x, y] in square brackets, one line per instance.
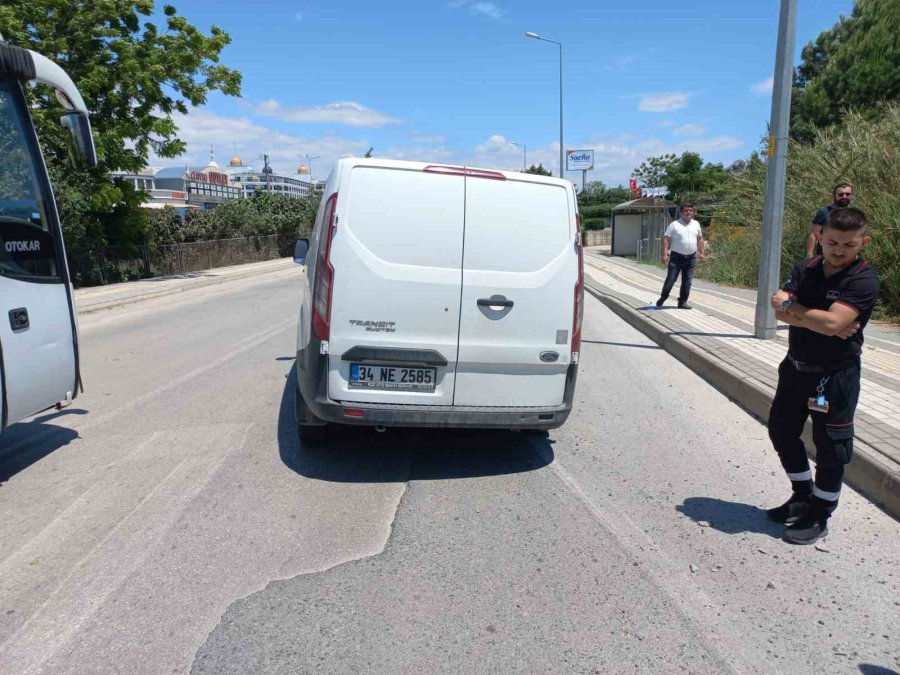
[579, 160]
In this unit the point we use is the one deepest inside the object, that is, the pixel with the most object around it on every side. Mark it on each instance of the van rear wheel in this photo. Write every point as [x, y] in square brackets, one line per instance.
[312, 435]
[311, 429]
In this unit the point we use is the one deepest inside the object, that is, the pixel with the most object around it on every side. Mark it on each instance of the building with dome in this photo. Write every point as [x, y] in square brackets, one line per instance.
[253, 180]
[205, 188]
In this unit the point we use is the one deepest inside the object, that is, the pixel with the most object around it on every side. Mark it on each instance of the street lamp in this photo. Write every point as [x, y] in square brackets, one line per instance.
[562, 165]
[524, 155]
[312, 184]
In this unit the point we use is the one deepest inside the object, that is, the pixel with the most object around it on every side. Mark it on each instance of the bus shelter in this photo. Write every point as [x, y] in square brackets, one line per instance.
[638, 226]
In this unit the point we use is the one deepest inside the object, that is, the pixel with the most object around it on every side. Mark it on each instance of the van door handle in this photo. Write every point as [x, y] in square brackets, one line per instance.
[18, 319]
[495, 301]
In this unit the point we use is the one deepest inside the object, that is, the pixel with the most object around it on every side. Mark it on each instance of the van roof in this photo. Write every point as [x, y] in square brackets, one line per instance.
[350, 162]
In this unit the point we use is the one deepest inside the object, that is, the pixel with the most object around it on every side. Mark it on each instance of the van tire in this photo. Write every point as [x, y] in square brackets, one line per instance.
[311, 430]
[312, 436]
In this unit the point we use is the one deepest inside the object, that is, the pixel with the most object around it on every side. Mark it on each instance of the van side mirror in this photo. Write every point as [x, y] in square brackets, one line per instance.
[301, 248]
[81, 144]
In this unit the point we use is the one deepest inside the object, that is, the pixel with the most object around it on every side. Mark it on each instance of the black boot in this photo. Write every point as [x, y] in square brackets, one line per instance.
[813, 525]
[792, 510]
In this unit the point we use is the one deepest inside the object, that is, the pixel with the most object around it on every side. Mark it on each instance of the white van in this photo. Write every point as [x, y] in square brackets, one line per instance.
[439, 296]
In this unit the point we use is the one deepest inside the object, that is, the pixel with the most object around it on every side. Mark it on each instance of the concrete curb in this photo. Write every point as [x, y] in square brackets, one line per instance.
[151, 295]
[869, 472]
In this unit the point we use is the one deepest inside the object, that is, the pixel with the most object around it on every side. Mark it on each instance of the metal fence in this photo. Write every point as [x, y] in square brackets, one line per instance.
[113, 264]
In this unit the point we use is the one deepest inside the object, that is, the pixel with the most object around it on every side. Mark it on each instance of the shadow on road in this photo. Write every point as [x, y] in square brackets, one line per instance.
[362, 455]
[729, 517]
[26, 443]
[869, 669]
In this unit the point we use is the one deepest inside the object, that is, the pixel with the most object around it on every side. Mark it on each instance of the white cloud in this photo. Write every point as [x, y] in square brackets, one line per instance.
[341, 112]
[690, 130]
[764, 87]
[665, 123]
[483, 8]
[202, 129]
[615, 157]
[664, 102]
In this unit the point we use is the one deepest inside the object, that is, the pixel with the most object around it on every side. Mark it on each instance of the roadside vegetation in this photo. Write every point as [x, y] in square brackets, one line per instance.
[845, 126]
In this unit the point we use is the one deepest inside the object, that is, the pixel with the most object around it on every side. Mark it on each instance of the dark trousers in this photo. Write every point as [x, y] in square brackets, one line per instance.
[832, 431]
[684, 264]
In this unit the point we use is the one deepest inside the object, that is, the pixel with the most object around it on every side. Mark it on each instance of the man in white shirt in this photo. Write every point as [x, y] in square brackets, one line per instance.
[684, 241]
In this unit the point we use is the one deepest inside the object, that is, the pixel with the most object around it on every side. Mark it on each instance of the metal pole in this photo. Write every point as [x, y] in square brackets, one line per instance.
[562, 166]
[773, 213]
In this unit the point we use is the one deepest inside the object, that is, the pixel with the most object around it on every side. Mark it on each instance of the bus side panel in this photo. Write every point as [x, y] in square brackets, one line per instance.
[38, 360]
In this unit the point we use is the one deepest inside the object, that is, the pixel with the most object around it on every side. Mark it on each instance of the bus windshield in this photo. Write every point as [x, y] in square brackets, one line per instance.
[27, 246]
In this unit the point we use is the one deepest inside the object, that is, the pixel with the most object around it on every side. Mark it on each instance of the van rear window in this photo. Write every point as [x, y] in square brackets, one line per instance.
[516, 226]
[406, 217]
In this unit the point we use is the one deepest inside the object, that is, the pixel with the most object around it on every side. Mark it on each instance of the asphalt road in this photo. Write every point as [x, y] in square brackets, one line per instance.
[170, 521]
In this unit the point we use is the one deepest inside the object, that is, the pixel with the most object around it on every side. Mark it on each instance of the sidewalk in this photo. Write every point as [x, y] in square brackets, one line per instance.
[96, 298]
[716, 340]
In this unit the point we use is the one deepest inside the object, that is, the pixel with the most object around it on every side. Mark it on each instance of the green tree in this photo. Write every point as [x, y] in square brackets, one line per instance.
[539, 170]
[854, 65]
[652, 172]
[134, 76]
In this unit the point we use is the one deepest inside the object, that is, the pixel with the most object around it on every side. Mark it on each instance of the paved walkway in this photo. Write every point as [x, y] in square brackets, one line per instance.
[96, 298]
[716, 339]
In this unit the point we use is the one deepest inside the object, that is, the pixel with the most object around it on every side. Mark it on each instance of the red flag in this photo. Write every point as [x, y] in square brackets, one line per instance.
[632, 185]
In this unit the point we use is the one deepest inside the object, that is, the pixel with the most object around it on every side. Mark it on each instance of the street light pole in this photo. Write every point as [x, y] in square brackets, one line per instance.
[765, 324]
[312, 185]
[524, 155]
[562, 165]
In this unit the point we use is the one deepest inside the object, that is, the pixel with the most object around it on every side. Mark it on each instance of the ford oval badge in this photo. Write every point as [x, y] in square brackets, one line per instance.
[549, 357]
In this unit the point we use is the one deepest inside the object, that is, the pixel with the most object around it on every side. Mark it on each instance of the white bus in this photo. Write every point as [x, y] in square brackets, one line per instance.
[38, 331]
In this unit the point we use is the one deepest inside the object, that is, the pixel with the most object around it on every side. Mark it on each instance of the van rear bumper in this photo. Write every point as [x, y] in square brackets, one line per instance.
[312, 386]
[442, 416]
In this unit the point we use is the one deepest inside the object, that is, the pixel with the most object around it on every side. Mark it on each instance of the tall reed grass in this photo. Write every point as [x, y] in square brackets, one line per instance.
[860, 150]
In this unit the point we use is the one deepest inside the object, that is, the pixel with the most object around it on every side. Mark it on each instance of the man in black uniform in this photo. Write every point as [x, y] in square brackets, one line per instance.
[842, 194]
[827, 301]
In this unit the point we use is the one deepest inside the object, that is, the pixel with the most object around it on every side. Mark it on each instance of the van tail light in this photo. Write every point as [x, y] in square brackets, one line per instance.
[578, 314]
[324, 282]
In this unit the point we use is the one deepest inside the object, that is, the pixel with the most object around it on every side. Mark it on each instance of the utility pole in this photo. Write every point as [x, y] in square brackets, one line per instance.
[773, 214]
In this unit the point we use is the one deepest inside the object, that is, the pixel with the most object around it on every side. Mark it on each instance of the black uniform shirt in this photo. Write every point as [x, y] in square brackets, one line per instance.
[855, 286]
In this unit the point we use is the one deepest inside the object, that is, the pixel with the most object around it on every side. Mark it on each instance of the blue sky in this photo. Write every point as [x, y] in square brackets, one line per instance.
[455, 81]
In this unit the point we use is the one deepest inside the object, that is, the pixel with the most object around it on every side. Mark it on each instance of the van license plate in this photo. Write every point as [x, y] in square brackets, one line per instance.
[395, 378]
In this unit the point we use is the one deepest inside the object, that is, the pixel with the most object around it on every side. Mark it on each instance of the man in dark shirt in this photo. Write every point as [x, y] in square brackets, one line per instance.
[842, 194]
[827, 301]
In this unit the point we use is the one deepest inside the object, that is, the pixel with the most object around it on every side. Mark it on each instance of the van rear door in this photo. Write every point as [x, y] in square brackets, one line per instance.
[397, 259]
[520, 270]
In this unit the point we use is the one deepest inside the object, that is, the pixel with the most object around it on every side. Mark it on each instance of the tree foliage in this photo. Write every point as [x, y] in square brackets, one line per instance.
[652, 172]
[539, 170]
[687, 177]
[134, 76]
[854, 65]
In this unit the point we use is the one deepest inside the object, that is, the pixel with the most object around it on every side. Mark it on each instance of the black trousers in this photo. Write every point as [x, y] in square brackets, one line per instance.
[832, 431]
[684, 264]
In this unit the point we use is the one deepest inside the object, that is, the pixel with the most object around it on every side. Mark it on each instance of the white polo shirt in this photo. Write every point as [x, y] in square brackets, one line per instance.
[684, 236]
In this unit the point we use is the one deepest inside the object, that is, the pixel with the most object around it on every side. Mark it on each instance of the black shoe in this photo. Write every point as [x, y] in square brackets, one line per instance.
[659, 303]
[791, 511]
[684, 305]
[808, 530]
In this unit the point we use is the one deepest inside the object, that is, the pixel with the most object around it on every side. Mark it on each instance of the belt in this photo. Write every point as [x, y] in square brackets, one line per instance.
[816, 368]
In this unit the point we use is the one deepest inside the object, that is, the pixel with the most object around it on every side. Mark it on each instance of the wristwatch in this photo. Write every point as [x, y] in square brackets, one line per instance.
[786, 305]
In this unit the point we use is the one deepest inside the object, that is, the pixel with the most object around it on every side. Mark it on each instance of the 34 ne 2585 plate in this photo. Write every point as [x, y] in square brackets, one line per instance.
[395, 378]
